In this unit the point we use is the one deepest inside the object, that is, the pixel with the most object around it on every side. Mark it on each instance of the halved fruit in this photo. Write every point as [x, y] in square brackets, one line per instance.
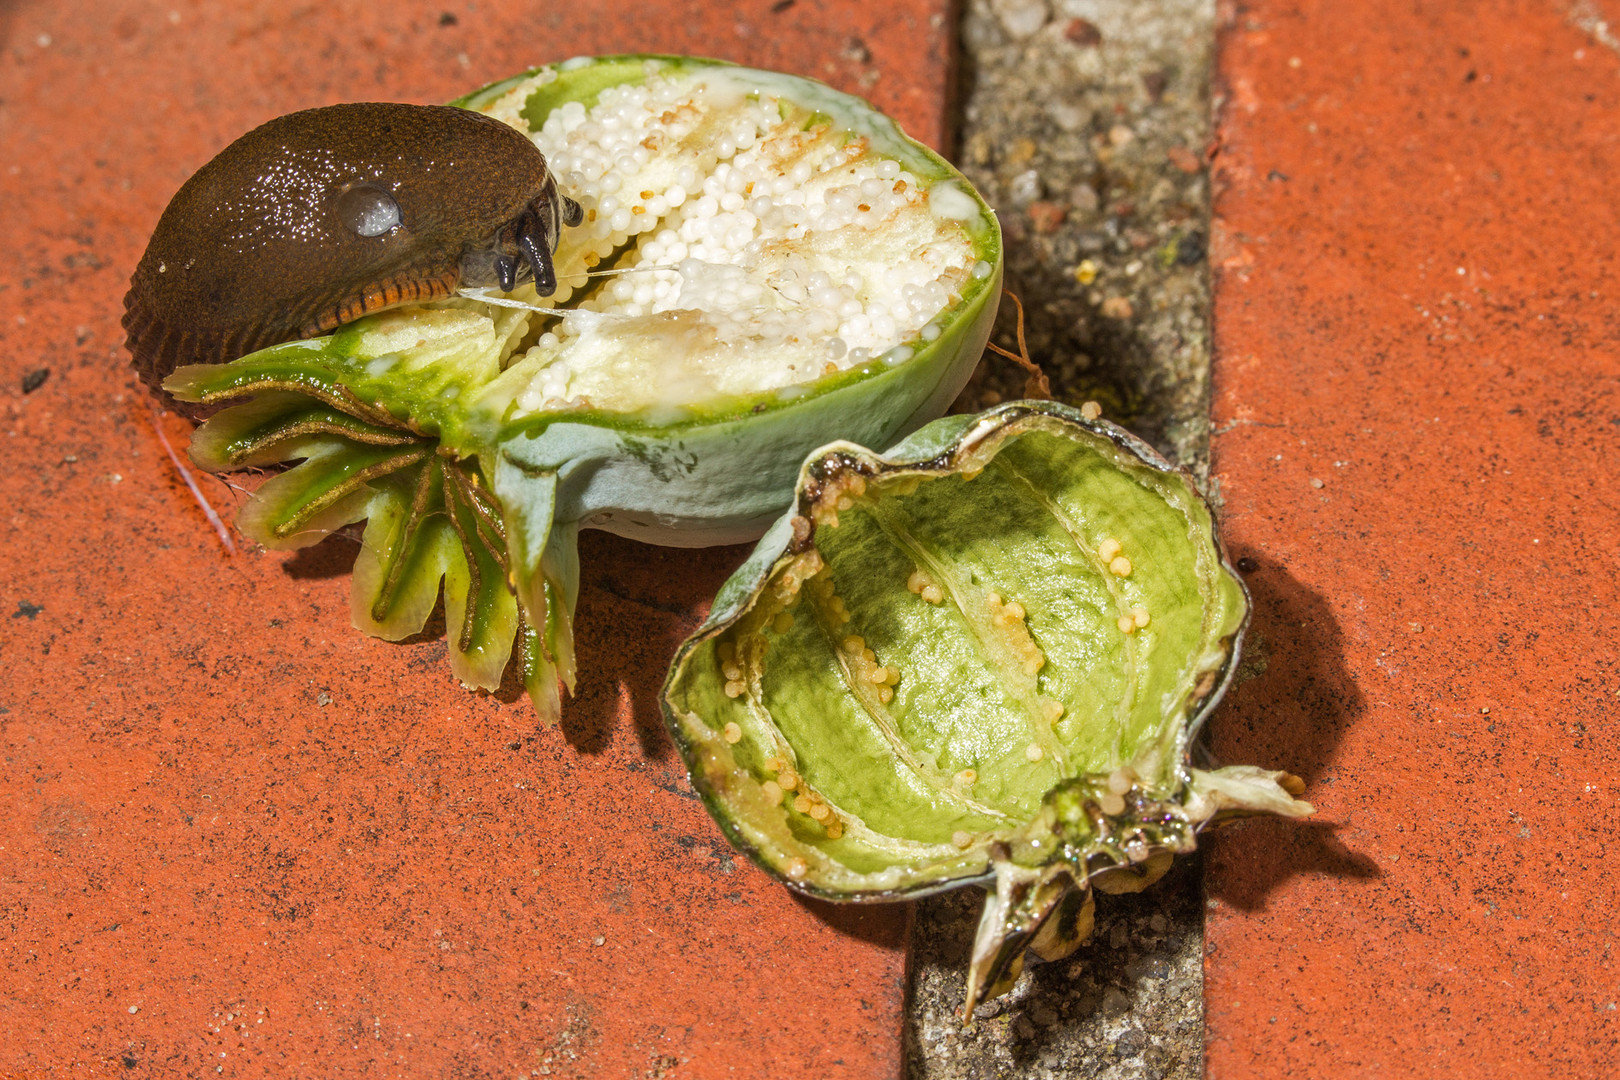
[778, 266]
[979, 657]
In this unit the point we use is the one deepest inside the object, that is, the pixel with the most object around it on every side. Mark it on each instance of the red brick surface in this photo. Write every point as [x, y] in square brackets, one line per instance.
[237, 837]
[1418, 407]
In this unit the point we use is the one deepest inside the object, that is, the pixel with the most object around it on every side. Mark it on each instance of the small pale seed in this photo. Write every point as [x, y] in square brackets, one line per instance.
[732, 734]
[1090, 410]
[1111, 804]
[1033, 752]
[1127, 625]
[772, 792]
[1120, 566]
[1108, 549]
[803, 804]
[1140, 616]
[797, 868]
[821, 811]
[961, 839]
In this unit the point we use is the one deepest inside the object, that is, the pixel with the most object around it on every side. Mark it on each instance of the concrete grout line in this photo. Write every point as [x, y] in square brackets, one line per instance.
[1085, 123]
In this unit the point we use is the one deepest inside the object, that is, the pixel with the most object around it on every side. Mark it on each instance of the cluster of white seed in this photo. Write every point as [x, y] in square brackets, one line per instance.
[1110, 552]
[806, 800]
[793, 253]
[1119, 784]
[863, 665]
[924, 586]
[1010, 618]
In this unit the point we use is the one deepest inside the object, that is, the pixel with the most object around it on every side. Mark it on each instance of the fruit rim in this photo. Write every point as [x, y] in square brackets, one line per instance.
[942, 462]
[985, 241]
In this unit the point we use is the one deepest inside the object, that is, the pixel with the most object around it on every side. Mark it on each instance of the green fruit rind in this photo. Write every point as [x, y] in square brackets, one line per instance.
[923, 676]
[411, 419]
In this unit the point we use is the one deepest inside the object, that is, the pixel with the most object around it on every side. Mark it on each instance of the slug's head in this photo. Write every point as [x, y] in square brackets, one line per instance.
[523, 247]
[317, 218]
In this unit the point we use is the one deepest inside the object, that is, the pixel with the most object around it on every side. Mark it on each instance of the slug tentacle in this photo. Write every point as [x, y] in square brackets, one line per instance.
[320, 217]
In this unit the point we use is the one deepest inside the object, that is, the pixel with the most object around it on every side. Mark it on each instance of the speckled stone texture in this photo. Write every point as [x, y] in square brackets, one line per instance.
[1085, 122]
[239, 838]
[1417, 412]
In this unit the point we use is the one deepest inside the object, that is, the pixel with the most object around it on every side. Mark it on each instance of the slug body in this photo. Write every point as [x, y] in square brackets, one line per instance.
[319, 217]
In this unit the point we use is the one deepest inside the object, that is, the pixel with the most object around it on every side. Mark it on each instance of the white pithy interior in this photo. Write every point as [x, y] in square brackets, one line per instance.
[786, 249]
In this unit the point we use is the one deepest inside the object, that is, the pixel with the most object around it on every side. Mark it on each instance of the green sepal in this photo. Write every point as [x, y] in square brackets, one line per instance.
[327, 491]
[407, 548]
[260, 431]
[480, 611]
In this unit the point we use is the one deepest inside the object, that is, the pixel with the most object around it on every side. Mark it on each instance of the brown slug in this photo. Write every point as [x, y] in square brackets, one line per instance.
[319, 217]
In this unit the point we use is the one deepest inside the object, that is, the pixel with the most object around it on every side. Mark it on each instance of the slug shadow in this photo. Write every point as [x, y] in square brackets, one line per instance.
[637, 603]
[1291, 705]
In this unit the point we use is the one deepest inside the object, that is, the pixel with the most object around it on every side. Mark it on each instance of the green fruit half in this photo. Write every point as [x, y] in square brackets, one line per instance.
[779, 266]
[979, 657]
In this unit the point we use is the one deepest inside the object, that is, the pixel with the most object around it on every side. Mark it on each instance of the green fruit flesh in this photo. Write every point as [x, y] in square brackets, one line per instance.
[982, 653]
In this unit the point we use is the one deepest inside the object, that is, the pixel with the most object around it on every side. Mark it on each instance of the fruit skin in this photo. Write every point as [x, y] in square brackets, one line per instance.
[262, 244]
[718, 473]
[1116, 828]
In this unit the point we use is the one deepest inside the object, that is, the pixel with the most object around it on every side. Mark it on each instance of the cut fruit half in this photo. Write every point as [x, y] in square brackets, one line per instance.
[777, 265]
[979, 657]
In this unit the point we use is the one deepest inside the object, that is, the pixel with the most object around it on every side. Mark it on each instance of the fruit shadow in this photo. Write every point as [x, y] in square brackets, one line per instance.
[637, 603]
[1291, 704]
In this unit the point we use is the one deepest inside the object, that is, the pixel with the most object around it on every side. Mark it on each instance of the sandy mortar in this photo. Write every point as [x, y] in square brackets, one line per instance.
[1085, 123]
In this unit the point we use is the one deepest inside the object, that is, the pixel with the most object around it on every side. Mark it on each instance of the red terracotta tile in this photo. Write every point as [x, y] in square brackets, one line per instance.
[1418, 401]
[236, 836]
